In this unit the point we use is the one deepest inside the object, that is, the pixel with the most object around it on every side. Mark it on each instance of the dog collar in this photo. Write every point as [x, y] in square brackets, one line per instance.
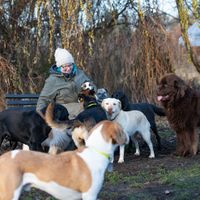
[92, 104]
[114, 118]
[102, 153]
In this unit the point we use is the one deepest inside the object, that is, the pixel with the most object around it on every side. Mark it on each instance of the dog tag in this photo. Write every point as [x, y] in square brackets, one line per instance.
[110, 167]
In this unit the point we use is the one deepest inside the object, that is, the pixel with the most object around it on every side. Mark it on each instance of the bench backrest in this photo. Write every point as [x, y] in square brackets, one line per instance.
[22, 101]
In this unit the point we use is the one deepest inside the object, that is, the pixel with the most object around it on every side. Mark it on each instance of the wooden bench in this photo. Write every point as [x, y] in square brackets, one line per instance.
[21, 101]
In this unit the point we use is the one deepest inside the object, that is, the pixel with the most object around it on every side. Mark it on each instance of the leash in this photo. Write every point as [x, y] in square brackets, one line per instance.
[107, 156]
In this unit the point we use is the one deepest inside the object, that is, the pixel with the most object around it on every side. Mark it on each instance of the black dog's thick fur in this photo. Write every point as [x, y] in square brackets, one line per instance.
[27, 126]
[149, 111]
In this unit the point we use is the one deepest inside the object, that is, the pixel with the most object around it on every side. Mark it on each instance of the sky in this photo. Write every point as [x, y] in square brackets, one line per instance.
[169, 6]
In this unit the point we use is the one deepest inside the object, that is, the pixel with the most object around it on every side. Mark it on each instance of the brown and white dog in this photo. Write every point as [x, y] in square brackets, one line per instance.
[69, 175]
[132, 122]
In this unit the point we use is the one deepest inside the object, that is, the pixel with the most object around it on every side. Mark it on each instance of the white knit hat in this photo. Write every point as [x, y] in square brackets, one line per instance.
[62, 56]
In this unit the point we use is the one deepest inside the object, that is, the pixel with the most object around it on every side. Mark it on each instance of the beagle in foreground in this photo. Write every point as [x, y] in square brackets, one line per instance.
[70, 175]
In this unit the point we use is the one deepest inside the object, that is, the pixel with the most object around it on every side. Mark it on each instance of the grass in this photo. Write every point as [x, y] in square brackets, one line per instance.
[181, 183]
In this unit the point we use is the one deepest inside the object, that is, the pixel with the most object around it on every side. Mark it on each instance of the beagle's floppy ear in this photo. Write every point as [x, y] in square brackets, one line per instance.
[120, 104]
[119, 136]
[102, 103]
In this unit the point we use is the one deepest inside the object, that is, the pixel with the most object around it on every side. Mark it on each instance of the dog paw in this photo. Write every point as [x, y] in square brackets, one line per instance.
[121, 161]
[152, 156]
[25, 147]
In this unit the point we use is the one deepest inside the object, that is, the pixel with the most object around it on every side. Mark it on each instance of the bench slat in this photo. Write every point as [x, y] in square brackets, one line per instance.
[26, 108]
[21, 102]
[22, 96]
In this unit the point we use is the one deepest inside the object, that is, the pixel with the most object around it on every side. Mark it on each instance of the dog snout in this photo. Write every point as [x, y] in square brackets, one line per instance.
[84, 86]
[110, 110]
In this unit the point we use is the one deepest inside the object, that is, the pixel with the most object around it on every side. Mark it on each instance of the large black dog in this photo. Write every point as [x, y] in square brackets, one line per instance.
[149, 111]
[27, 126]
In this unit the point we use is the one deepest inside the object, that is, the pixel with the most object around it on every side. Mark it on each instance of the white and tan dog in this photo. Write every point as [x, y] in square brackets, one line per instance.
[68, 175]
[131, 121]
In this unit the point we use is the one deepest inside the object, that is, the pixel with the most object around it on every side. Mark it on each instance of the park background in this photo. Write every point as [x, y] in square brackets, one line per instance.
[121, 44]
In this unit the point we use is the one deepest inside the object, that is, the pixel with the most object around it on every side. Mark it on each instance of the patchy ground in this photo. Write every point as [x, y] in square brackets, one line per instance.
[167, 177]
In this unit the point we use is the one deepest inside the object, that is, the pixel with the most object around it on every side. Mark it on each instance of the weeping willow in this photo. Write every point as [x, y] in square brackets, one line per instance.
[195, 6]
[51, 30]
[140, 13]
[63, 17]
[39, 24]
[89, 16]
[71, 30]
[184, 21]
[151, 63]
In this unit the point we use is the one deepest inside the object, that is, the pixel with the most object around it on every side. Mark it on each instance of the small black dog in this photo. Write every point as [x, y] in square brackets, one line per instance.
[149, 111]
[92, 109]
[92, 114]
[27, 126]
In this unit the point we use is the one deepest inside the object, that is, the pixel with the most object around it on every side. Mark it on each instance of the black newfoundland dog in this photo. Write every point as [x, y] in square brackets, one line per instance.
[27, 126]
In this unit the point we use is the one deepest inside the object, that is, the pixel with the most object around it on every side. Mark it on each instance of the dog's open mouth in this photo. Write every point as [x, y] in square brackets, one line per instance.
[162, 98]
[110, 113]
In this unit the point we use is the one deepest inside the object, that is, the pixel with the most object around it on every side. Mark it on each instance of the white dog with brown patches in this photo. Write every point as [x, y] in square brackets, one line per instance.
[131, 121]
[69, 175]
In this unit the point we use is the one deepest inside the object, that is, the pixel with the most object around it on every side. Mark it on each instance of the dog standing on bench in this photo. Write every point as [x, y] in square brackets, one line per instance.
[149, 110]
[132, 122]
[69, 175]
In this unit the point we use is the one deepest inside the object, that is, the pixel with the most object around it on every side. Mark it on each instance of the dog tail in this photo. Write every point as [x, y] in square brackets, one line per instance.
[158, 110]
[53, 123]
